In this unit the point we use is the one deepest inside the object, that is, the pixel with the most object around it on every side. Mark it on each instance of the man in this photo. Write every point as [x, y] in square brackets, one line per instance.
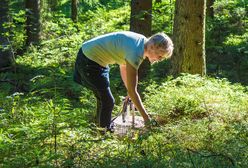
[128, 49]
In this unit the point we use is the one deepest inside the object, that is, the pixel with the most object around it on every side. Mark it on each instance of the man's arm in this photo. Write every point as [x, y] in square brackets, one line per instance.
[123, 73]
[130, 79]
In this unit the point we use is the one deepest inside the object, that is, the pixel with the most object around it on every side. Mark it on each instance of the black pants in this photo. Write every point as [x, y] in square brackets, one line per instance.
[95, 77]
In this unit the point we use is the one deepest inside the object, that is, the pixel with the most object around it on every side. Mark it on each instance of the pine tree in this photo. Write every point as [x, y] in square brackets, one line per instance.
[6, 56]
[33, 24]
[189, 37]
[141, 22]
[74, 12]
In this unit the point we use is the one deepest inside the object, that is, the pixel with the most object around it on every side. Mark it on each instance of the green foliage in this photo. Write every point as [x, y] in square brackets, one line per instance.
[226, 41]
[203, 122]
[162, 16]
[59, 26]
[15, 33]
[205, 115]
[104, 21]
[192, 96]
[91, 5]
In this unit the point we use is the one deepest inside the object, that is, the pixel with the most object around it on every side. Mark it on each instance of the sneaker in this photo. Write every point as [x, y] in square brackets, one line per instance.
[111, 128]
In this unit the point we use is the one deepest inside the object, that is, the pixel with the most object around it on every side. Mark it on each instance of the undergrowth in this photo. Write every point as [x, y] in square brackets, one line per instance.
[203, 123]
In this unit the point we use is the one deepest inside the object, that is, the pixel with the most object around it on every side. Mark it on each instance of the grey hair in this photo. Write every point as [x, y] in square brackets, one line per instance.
[162, 41]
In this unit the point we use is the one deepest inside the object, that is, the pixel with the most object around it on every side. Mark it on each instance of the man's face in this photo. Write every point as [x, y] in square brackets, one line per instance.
[155, 54]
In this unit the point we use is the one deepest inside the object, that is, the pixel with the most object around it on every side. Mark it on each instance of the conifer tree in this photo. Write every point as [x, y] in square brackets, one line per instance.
[141, 22]
[6, 56]
[33, 24]
[189, 37]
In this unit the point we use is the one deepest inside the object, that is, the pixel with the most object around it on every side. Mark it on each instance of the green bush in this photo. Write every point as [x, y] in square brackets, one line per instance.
[206, 116]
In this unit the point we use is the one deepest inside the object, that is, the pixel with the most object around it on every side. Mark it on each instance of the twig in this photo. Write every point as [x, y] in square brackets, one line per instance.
[9, 81]
[213, 155]
[6, 68]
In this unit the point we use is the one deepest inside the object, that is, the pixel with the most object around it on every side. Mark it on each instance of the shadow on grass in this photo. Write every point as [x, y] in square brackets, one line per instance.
[52, 83]
[44, 82]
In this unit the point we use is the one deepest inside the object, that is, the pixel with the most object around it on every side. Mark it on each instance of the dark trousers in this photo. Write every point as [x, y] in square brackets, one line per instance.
[96, 78]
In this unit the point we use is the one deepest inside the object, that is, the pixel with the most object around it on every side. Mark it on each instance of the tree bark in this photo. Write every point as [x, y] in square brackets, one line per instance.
[33, 25]
[141, 22]
[74, 12]
[189, 37]
[6, 55]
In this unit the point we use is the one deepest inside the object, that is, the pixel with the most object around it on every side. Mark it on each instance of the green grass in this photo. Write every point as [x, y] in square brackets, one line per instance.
[203, 124]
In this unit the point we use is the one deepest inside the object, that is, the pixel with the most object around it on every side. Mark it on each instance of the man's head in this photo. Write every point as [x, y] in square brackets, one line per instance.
[158, 47]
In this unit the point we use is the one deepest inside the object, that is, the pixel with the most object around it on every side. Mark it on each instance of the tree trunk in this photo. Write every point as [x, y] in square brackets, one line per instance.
[74, 12]
[141, 22]
[6, 55]
[189, 37]
[33, 25]
[158, 1]
[210, 9]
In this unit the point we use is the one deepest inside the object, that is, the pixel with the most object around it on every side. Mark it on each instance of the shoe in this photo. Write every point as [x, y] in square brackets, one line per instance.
[111, 128]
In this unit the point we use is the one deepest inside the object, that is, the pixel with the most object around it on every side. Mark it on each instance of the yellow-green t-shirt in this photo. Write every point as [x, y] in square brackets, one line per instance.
[115, 48]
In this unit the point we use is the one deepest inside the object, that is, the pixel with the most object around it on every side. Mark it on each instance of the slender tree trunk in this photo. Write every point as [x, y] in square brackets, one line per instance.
[33, 25]
[141, 22]
[189, 37]
[210, 9]
[6, 56]
[74, 12]
[141, 18]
